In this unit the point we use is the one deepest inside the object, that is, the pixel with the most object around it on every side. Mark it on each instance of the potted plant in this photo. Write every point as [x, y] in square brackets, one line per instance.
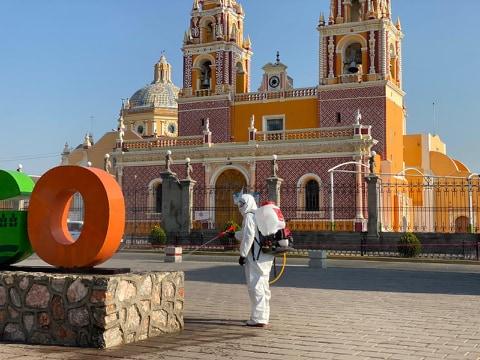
[409, 245]
[158, 237]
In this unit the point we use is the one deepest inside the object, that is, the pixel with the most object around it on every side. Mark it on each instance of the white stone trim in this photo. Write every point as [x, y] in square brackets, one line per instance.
[201, 58]
[301, 192]
[152, 193]
[348, 40]
[216, 174]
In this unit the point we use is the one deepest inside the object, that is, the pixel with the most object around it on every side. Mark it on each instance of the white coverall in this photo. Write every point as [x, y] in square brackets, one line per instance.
[257, 271]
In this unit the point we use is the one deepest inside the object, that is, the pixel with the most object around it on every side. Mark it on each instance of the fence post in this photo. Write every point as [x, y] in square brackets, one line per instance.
[187, 204]
[274, 184]
[373, 202]
[171, 202]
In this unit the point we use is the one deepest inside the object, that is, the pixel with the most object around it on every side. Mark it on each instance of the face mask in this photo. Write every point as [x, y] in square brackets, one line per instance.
[242, 206]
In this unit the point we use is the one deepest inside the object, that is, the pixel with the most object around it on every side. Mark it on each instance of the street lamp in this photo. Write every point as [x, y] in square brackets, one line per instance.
[332, 197]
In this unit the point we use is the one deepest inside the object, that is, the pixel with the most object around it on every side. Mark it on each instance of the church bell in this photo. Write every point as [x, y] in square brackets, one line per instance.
[353, 68]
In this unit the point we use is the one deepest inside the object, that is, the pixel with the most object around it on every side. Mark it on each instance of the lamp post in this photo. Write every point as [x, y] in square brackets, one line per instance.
[416, 220]
[332, 196]
[470, 202]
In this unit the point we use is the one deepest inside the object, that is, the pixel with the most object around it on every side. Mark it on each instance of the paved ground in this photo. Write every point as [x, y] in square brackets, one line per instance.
[353, 310]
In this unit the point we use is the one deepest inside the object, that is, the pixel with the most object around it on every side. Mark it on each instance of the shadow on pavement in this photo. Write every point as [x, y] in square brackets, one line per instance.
[365, 279]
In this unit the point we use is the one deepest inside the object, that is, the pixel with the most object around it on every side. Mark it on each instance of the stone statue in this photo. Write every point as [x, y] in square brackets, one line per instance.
[371, 162]
[189, 168]
[168, 161]
[207, 125]
[121, 129]
[107, 164]
[252, 122]
[358, 118]
[274, 166]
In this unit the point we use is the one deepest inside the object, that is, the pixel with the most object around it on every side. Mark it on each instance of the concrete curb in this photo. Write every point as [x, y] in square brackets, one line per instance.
[303, 259]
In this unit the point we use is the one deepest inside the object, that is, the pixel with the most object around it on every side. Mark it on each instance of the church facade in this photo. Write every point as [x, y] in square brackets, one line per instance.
[230, 135]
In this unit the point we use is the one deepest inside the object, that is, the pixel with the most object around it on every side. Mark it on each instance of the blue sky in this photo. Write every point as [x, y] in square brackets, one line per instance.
[65, 65]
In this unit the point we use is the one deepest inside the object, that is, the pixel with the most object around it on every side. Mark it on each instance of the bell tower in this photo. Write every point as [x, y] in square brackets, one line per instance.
[216, 54]
[216, 66]
[360, 59]
[360, 43]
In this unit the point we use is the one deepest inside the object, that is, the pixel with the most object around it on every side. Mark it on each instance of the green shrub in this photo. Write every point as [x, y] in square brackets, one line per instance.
[409, 246]
[158, 236]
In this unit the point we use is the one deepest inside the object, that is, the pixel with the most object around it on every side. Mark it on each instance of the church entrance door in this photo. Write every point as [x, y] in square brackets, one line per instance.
[228, 183]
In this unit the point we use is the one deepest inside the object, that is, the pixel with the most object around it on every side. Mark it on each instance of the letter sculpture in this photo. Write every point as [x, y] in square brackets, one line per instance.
[104, 214]
[14, 243]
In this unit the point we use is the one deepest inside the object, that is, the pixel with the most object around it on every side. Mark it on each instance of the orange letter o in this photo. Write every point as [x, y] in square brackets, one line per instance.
[104, 218]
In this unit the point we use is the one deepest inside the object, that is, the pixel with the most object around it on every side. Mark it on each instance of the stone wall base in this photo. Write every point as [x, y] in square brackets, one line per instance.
[97, 311]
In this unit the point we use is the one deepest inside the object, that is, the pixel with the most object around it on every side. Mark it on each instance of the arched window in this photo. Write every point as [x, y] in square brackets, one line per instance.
[353, 59]
[158, 198]
[205, 75]
[312, 196]
[208, 32]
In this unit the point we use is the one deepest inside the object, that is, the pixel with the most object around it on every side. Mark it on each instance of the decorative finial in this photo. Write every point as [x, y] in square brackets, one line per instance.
[66, 149]
[20, 168]
[247, 44]
[89, 164]
[399, 24]
[278, 57]
[321, 20]
[86, 141]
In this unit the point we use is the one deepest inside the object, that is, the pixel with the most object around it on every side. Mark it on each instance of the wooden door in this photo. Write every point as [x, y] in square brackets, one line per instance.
[228, 183]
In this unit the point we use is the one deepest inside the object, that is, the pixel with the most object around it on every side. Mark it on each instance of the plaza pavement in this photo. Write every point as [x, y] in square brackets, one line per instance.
[352, 310]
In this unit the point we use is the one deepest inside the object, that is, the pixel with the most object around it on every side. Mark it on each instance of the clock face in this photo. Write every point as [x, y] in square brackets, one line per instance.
[171, 128]
[274, 82]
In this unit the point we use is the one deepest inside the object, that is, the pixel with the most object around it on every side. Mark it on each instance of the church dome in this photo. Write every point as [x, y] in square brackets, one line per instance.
[162, 92]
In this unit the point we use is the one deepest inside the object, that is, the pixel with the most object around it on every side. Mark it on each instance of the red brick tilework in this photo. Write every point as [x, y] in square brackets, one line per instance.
[370, 100]
[190, 118]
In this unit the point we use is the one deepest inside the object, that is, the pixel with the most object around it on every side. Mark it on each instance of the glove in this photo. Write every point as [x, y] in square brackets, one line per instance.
[241, 260]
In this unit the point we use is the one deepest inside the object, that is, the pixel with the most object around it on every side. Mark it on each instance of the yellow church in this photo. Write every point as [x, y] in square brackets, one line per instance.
[320, 138]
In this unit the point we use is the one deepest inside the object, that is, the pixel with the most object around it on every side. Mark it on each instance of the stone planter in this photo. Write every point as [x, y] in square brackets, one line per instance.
[98, 311]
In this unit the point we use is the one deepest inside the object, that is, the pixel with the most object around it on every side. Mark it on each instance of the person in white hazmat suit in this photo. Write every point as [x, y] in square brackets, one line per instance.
[257, 265]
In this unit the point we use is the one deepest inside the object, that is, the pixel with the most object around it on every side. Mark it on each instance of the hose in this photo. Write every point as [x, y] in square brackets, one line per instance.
[281, 270]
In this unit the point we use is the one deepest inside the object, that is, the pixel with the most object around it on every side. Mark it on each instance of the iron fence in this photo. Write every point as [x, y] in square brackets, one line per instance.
[430, 205]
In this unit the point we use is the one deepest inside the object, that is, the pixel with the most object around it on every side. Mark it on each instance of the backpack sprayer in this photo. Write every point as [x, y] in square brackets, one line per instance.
[274, 237]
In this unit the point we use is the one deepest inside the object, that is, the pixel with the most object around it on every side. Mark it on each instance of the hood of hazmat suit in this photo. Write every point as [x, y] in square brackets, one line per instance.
[247, 204]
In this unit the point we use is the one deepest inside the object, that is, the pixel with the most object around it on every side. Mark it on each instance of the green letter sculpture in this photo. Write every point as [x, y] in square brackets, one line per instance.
[14, 243]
